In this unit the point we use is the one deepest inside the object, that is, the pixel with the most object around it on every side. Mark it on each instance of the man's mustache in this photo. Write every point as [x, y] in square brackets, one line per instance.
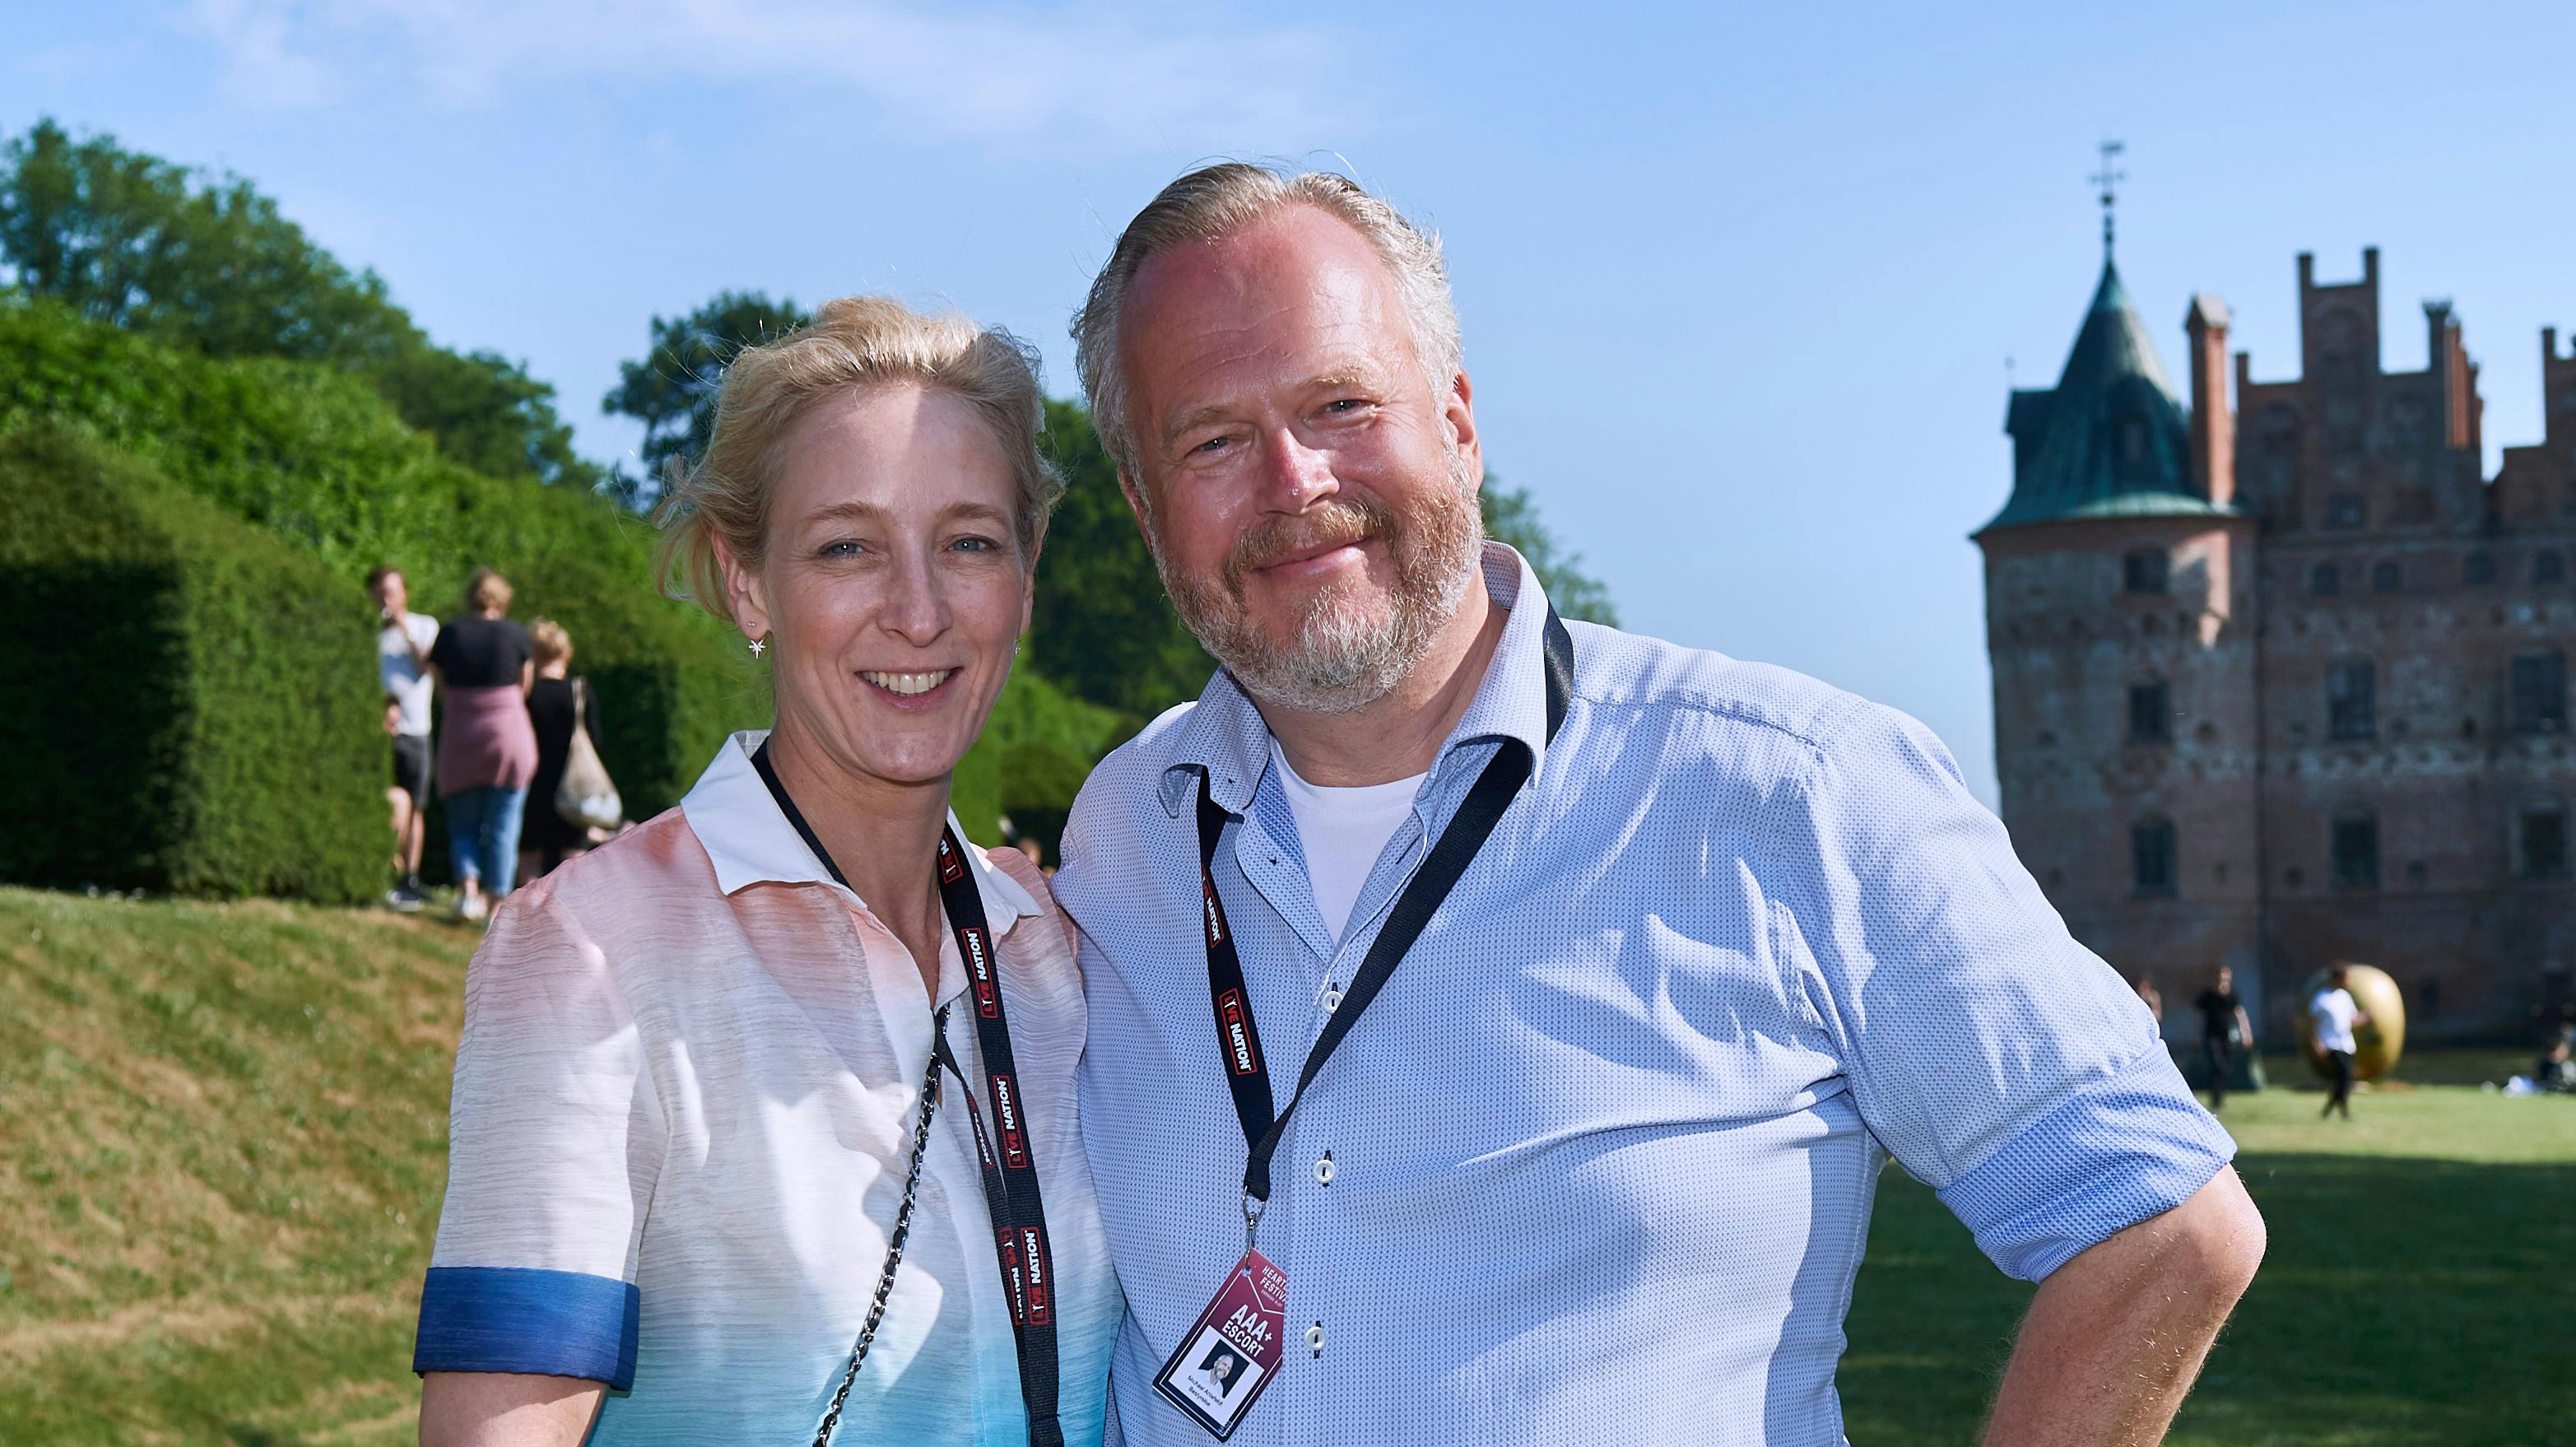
[1332, 524]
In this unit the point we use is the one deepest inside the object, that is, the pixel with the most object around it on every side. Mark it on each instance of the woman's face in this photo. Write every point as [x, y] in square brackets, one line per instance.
[893, 591]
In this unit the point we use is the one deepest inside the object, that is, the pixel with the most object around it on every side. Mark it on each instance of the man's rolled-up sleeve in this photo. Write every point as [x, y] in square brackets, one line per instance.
[1998, 1060]
[554, 1139]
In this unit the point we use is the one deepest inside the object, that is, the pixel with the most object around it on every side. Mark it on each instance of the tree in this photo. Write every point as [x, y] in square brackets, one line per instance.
[1511, 516]
[141, 243]
[673, 390]
[1103, 628]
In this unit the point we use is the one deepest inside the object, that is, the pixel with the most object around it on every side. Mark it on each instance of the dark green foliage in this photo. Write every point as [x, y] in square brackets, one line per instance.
[673, 390]
[1038, 747]
[315, 457]
[1103, 628]
[1511, 516]
[138, 243]
[186, 705]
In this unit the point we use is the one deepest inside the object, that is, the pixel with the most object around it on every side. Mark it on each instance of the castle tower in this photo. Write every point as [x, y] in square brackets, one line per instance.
[2118, 607]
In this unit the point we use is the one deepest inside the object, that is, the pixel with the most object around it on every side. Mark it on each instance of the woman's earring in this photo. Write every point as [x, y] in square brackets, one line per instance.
[757, 646]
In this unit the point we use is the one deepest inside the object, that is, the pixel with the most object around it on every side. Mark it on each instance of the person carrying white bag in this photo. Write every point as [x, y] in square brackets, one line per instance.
[576, 802]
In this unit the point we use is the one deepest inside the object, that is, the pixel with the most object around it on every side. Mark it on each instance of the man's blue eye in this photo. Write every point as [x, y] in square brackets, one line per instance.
[841, 549]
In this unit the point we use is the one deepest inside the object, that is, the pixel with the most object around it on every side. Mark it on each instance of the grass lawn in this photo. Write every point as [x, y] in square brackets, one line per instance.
[2416, 1293]
[223, 1138]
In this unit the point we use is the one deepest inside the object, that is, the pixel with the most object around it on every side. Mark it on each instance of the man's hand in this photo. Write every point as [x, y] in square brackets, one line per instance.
[2115, 1336]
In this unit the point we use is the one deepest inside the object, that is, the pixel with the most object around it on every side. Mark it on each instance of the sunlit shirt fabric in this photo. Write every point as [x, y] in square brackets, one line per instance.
[1603, 1152]
[683, 1111]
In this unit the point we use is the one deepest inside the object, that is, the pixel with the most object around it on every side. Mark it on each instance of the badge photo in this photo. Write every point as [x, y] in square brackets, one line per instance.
[1229, 1356]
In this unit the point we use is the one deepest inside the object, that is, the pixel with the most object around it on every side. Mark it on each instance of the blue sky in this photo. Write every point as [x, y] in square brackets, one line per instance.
[1739, 283]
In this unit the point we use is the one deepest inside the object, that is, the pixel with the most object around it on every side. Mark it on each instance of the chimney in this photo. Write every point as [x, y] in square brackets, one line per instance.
[2213, 428]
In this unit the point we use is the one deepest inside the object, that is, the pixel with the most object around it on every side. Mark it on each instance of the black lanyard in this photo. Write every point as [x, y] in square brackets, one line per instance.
[1010, 1173]
[1239, 1039]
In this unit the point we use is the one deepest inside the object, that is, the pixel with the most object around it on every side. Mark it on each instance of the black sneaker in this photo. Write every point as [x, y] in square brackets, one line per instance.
[406, 898]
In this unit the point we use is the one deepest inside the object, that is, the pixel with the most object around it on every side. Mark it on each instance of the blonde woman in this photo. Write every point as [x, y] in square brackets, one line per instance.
[558, 704]
[764, 1124]
[486, 750]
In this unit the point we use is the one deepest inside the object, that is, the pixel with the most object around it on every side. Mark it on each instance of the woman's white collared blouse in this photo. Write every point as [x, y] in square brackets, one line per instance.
[683, 1109]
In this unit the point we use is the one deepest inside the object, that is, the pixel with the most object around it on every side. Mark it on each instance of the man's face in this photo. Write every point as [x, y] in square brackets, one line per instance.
[2226, 979]
[392, 596]
[1310, 502]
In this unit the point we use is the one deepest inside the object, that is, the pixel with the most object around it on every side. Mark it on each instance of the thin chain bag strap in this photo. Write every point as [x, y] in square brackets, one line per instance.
[894, 1239]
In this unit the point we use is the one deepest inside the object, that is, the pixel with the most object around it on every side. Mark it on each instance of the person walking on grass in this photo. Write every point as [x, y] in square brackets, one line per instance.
[403, 642]
[2224, 1029]
[488, 752]
[2334, 1013]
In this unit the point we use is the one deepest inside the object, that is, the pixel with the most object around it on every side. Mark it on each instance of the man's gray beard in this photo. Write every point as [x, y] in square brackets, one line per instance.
[1341, 661]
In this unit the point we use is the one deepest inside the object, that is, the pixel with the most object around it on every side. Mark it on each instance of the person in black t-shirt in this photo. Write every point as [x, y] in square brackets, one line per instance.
[487, 753]
[554, 701]
[2224, 1029]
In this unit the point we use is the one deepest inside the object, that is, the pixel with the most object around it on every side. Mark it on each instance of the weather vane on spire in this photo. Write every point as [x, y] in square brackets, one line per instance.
[2109, 179]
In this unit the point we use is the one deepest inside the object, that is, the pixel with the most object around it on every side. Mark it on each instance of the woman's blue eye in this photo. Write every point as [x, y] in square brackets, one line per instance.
[842, 549]
[977, 544]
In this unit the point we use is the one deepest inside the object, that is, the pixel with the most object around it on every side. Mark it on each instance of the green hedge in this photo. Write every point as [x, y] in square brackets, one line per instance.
[186, 705]
[316, 458]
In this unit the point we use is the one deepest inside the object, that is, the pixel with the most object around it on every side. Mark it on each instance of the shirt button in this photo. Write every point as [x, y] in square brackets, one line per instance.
[1324, 1169]
[1315, 1338]
[1332, 1000]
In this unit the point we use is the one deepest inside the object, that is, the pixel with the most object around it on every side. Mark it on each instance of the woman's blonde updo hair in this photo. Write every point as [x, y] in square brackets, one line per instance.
[853, 343]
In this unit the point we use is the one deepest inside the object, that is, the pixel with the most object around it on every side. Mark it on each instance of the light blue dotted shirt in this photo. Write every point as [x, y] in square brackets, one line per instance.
[1603, 1152]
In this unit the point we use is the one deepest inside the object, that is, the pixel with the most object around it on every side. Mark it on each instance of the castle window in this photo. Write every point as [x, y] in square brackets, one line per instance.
[2346, 510]
[2325, 580]
[2540, 693]
[2387, 578]
[2150, 715]
[2478, 569]
[2356, 851]
[2544, 839]
[2548, 567]
[2151, 856]
[2352, 705]
[2145, 571]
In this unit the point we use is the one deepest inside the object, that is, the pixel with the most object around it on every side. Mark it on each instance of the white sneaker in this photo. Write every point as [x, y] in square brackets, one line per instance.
[471, 908]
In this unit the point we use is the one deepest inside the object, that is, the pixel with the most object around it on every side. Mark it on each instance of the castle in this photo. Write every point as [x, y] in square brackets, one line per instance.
[2283, 680]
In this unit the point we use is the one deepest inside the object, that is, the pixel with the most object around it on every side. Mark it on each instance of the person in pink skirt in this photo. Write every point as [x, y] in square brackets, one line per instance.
[487, 749]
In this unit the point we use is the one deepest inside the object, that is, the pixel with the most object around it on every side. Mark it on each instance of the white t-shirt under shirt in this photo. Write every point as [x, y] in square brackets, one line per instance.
[2332, 1011]
[404, 677]
[1342, 831]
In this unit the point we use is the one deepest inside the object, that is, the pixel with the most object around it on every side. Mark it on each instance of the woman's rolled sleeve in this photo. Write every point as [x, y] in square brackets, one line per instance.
[554, 1140]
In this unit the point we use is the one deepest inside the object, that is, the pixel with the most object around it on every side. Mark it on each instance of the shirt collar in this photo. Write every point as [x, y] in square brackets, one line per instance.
[749, 841]
[1225, 736]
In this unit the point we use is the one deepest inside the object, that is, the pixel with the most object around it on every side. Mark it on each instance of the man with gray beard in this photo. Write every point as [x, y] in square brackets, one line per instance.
[1688, 947]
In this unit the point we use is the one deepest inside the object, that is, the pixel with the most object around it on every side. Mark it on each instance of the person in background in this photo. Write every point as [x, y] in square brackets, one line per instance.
[2334, 1013]
[2145, 985]
[1028, 844]
[488, 752]
[403, 641]
[2224, 1028]
[547, 836]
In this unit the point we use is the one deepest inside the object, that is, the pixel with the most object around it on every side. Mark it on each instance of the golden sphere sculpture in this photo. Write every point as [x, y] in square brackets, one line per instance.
[2381, 1041]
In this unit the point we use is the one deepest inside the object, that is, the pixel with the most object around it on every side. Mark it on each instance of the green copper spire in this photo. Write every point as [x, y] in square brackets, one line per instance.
[2110, 439]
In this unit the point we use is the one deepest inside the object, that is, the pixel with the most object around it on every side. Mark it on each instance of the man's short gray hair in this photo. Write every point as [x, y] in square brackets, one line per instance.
[1214, 202]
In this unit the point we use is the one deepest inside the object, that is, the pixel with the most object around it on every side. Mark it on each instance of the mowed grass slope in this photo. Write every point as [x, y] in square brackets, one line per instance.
[223, 1140]
[222, 1143]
